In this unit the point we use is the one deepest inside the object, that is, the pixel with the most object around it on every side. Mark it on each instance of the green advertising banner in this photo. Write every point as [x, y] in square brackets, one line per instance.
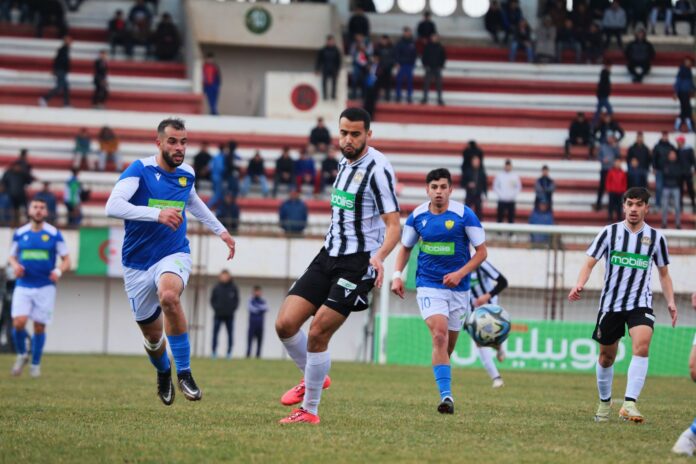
[542, 346]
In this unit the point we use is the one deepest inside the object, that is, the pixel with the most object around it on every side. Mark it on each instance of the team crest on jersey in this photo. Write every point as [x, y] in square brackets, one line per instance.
[182, 181]
[646, 241]
[358, 177]
[45, 237]
[449, 224]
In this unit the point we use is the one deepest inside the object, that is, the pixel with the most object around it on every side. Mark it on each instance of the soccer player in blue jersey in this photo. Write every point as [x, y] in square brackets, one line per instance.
[686, 443]
[35, 247]
[446, 229]
[153, 196]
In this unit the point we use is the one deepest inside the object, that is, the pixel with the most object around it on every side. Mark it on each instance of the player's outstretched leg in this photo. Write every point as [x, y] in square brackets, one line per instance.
[686, 443]
[38, 340]
[19, 337]
[486, 356]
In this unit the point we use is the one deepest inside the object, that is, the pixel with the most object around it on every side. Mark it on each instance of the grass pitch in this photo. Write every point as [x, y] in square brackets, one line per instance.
[104, 409]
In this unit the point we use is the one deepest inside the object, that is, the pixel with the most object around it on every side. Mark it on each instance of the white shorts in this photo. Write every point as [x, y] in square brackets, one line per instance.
[454, 305]
[37, 303]
[141, 286]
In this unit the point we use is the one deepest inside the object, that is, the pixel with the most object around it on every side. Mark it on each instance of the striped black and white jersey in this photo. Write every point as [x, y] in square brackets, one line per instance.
[483, 280]
[628, 265]
[362, 191]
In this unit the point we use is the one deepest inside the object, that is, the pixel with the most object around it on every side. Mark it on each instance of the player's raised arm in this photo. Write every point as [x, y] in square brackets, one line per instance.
[585, 272]
[200, 211]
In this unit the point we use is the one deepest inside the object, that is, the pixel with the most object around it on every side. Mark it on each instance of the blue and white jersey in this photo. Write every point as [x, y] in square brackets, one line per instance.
[444, 242]
[147, 242]
[37, 251]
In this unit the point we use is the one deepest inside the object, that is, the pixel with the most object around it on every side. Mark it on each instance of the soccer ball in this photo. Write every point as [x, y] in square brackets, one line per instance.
[488, 325]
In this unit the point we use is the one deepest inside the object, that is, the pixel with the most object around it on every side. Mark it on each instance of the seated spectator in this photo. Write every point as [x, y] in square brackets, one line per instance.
[578, 133]
[82, 148]
[140, 19]
[305, 170]
[556, 10]
[493, 21]
[293, 214]
[566, 39]
[284, 171]
[166, 39]
[228, 213]
[108, 149]
[475, 182]
[636, 176]
[616, 185]
[608, 127]
[581, 18]
[319, 137]
[49, 198]
[201, 162]
[541, 215]
[256, 174]
[593, 44]
[73, 196]
[545, 42]
[522, 37]
[544, 188]
[512, 15]
[51, 13]
[683, 12]
[662, 9]
[329, 169]
[639, 152]
[5, 207]
[639, 55]
[614, 23]
[119, 33]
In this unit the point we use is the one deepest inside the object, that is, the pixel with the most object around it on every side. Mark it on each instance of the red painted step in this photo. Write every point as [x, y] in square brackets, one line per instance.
[77, 33]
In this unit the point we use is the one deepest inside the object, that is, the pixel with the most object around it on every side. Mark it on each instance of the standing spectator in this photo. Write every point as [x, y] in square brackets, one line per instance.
[231, 171]
[257, 310]
[61, 68]
[108, 149]
[544, 188]
[256, 174]
[23, 161]
[228, 212]
[305, 171]
[639, 55]
[683, 91]
[319, 137]
[72, 197]
[608, 153]
[581, 18]
[120, 34]
[637, 11]
[578, 133]
[603, 92]
[434, 58]
[361, 61]
[608, 127]
[224, 300]
[293, 214]
[566, 38]
[370, 86]
[614, 23]
[637, 177]
[543, 216]
[166, 39]
[212, 79]
[687, 161]
[81, 151]
[201, 163]
[671, 188]
[51, 13]
[507, 185]
[357, 24]
[593, 44]
[522, 37]
[683, 12]
[101, 89]
[512, 15]
[556, 10]
[425, 30]
[5, 207]
[405, 56]
[662, 9]
[470, 151]
[617, 183]
[284, 171]
[385, 54]
[659, 158]
[49, 198]
[328, 64]
[493, 21]
[546, 42]
[223, 173]
[329, 169]
[639, 160]
[475, 182]
[15, 181]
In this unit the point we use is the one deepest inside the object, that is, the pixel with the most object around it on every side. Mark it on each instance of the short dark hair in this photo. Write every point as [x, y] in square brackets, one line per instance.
[174, 123]
[637, 193]
[39, 199]
[439, 173]
[356, 114]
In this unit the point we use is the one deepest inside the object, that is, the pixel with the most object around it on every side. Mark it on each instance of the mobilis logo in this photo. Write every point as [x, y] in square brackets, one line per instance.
[343, 200]
[632, 260]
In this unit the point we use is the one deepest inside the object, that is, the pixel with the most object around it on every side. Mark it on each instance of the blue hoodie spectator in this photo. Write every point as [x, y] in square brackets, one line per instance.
[293, 214]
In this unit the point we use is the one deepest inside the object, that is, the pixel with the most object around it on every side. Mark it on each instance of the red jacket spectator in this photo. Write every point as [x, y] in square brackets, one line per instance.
[617, 181]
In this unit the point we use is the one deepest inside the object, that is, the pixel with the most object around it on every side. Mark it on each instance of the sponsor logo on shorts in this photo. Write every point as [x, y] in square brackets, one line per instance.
[438, 248]
[346, 284]
[34, 255]
[343, 200]
[449, 224]
[632, 260]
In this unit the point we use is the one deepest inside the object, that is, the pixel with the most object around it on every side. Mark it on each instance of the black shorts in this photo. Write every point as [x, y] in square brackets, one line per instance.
[611, 326]
[342, 283]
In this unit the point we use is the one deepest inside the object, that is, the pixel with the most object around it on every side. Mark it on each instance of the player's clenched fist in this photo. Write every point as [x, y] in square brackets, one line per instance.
[574, 294]
[171, 217]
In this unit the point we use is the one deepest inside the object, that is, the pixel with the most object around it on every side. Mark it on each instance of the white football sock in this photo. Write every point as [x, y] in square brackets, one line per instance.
[605, 377]
[296, 347]
[486, 356]
[637, 371]
[318, 365]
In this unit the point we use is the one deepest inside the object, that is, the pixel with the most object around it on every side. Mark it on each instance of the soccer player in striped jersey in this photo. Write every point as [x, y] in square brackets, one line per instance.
[686, 443]
[364, 229]
[629, 249]
[486, 284]
[446, 229]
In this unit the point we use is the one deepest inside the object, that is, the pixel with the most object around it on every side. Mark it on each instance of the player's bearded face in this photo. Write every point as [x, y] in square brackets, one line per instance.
[173, 159]
[352, 138]
[173, 147]
[37, 211]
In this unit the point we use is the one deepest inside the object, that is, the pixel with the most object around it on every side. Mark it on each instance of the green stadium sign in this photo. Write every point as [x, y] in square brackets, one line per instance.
[258, 20]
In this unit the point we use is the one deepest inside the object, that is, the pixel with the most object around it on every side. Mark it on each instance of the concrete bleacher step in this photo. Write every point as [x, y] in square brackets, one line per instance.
[92, 34]
[86, 66]
[97, 13]
[46, 48]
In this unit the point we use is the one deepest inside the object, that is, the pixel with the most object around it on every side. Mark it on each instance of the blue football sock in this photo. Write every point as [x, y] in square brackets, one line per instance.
[162, 363]
[181, 349]
[693, 427]
[443, 377]
[19, 337]
[37, 345]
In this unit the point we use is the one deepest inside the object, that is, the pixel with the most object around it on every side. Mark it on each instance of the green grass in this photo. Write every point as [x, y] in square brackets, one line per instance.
[104, 409]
